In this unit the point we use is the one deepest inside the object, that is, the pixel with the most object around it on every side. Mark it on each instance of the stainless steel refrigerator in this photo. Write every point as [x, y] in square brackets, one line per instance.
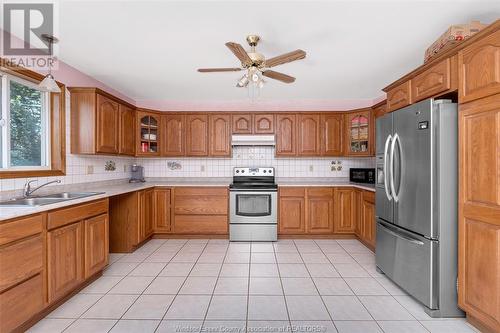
[416, 202]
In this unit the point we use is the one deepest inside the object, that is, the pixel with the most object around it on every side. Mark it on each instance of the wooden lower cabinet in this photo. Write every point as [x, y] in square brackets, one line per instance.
[345, 217]
[146, 213]
[96, 244]
[368, 223]
[64, 259]
[319, 210]
[162, 210]
[200, 210]
[292, 215]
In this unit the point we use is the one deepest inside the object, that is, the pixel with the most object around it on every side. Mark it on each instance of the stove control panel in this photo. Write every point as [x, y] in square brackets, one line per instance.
[253, 172]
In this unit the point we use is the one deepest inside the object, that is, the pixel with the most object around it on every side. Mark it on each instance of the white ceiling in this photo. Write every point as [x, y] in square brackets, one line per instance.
[150, 50]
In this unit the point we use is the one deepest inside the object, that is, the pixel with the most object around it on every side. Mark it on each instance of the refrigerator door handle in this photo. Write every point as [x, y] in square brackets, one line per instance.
[391, 167]
[399, 235]
[386, 169]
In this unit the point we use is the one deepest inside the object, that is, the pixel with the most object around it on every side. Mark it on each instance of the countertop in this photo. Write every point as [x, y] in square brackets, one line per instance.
[112, 188]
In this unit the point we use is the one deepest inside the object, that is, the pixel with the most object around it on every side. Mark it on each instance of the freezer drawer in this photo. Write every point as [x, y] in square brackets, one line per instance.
[410, 261]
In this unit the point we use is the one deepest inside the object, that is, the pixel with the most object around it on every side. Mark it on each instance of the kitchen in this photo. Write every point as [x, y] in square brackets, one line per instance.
[139, 204]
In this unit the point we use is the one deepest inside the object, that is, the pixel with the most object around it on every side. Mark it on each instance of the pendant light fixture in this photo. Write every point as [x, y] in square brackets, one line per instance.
[48, 83]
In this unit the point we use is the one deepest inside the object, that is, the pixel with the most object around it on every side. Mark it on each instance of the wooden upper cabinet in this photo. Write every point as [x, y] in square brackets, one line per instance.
[332, 130]
[320, 211]
[309, 140]
[263, 123]
[127, 134]
[242, 123]
[173, 135]
[64, 260]
[359, 133]
[433, 81]
[220, 135]
[96, 244]
[479, 68]
[292, 205]
[197, 135]
[100, 123]
[399, 96]
[479, 209]
[148, 132]
[286, 135]
[108, 125]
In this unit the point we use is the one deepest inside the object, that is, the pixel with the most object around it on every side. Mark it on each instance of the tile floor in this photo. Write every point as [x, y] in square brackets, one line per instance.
[215, 286]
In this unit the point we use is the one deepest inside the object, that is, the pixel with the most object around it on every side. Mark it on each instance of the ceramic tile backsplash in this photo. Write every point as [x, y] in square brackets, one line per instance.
[79, 168]
[252, 157]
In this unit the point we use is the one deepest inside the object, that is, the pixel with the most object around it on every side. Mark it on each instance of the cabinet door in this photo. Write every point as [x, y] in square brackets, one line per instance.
[399, 96]
[359, 133]
[431, 82]
[286, 135]
[319, 208]
[242, 124]
[173, 134]
[108, 124]
[146, 206]
[292, 215]
[333, 134]
[96, 244]
[127, 130]
[368, 222]
[197, 135]
[148, 131]
[263, 124]
[479, 69]
[64, 259]
[345, 213]
[358, 216]
[479, 210]
[309, 135]
[162, 210]
[220, 135]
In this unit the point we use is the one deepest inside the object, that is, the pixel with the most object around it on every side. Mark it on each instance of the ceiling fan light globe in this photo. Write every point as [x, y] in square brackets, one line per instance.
[49, 84]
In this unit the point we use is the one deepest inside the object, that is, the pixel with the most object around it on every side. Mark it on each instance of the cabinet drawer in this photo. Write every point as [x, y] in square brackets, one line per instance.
[201, 205]
[320, 192]
[369, 196]
[20, 303]
[292, 192]
[20, 261]
[72, 214]
[20, 228]
[399, 97]
[199, 191]
[431, 82]
[200, 224]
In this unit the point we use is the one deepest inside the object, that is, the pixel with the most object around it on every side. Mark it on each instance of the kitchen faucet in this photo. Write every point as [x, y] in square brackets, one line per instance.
[27, 192]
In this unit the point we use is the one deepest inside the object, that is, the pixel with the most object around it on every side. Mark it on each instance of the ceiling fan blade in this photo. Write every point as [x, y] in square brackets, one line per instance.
[239, 52]
[227, 69]
[278, 76]
[284, 58]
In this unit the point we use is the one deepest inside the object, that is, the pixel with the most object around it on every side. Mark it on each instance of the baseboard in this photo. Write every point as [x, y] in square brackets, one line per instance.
[479, 325]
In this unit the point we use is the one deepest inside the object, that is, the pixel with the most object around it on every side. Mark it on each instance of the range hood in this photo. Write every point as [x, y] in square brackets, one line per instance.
[253, 140]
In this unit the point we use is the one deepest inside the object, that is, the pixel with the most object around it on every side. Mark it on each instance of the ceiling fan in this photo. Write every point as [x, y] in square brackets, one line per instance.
[256, 64]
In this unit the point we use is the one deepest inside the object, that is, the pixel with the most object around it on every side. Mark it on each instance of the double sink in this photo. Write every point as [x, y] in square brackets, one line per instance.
[47, 199]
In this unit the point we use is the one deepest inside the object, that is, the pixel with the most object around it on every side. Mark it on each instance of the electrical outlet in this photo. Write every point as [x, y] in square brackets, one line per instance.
[90, 169]
[202, 168]
[311, 168]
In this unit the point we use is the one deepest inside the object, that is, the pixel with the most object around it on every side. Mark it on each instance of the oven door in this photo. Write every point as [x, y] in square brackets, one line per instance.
[253, 206]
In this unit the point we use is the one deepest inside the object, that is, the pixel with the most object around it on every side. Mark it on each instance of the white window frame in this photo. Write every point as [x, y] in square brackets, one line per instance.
[5, 124]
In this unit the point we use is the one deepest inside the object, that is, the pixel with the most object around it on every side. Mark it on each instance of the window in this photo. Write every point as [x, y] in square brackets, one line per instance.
[24, 125]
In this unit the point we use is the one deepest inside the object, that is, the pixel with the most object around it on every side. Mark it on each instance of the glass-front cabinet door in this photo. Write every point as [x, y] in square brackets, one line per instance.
[149, 133]
[359, 132]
